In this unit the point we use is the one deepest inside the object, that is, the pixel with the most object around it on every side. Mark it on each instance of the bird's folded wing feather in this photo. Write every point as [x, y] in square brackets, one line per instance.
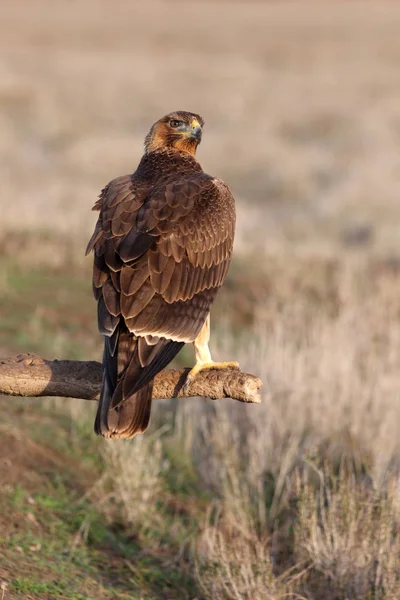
[156, 247]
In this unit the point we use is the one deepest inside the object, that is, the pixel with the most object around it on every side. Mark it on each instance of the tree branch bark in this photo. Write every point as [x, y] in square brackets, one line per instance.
[31, 375]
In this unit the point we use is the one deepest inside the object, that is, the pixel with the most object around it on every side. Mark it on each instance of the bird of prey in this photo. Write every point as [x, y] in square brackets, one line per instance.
[162, 247]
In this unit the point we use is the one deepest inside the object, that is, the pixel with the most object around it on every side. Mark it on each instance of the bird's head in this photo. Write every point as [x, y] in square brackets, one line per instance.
[179, 130]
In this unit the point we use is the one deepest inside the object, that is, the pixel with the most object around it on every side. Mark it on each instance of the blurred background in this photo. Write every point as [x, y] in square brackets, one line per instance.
[298, 497]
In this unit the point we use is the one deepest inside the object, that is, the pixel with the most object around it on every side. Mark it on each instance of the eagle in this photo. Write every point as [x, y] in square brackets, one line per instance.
[162, 247]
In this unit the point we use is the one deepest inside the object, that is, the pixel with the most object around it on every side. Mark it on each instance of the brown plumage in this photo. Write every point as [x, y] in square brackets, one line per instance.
[162, 247]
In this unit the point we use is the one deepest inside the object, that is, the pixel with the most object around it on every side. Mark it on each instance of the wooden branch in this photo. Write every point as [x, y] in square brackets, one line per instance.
[31, 375]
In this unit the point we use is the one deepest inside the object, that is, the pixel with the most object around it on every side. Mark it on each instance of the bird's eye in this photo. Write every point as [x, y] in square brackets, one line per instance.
[175, 123]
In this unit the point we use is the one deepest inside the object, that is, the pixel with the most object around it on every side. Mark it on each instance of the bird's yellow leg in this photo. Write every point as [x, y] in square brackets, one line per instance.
[203, 355]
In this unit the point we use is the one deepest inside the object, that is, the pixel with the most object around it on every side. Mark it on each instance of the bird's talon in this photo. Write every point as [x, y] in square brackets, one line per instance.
[209, 367]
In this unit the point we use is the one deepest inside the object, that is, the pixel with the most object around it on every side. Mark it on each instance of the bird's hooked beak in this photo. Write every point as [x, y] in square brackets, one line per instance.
[194, 129]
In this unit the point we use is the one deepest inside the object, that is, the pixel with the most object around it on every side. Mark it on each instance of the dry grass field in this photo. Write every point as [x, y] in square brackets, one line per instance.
[298, 498]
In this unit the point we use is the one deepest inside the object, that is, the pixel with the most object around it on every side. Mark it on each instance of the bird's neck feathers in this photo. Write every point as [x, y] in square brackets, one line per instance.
[162, 162]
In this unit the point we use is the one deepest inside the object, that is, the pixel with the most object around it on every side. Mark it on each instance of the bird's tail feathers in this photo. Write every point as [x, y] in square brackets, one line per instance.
[130, 416]
[130, 365]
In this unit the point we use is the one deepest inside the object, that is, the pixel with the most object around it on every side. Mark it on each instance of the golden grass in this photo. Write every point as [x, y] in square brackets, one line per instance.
[319, 456]
[349, 533]
[235, 566]
[132, 488]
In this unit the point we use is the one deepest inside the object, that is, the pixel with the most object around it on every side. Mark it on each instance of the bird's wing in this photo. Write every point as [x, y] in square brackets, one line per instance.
[161, 253]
